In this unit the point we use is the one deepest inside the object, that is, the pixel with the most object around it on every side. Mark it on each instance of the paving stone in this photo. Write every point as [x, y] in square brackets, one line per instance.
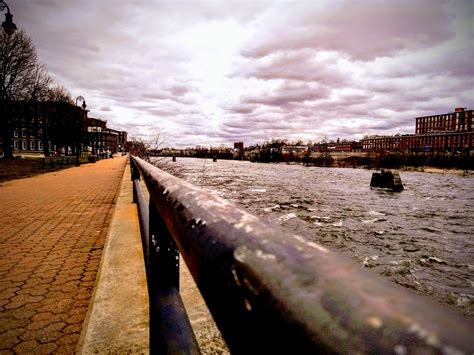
[9, 338]
[13, 323]
[7, 295]
[23, 312]
[25, 346]
[48, 348]
[10, 290]
[53, 229]
[25, 299]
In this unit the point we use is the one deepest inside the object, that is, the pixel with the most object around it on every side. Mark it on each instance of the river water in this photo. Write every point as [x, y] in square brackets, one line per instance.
[421, 238]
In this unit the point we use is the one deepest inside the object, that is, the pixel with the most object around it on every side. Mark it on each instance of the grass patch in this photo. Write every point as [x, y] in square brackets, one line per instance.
[19, 168]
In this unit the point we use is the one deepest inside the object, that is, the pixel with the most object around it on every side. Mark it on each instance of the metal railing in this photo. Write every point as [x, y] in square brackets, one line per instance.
[273, 292]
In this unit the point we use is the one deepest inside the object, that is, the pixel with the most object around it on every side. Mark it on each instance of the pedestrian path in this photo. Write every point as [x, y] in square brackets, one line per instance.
[52, 232]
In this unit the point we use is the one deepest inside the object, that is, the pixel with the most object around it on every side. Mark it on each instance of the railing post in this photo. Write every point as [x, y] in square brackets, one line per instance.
[164, 256]
[135, 176]
[164, 280]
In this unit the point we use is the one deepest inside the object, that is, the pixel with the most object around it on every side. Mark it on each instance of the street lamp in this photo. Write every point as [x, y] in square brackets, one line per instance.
[83, 102]
[8, 26]
[78, 144]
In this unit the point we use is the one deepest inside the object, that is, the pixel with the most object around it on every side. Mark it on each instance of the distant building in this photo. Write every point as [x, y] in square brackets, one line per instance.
[122, 140]
[353, 146]
[458, 121]
[33, 127]
[96, 136]
[449, 132]
[56, 128]
[238, 150]
[112, 140]
[101, 139]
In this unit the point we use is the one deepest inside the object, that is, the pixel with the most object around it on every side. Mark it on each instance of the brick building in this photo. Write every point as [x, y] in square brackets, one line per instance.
[42, 127]
[58, 128]
[102, 140]
[449, 132]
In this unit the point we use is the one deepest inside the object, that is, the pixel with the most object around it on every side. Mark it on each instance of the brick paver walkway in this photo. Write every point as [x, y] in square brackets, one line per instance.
[52, 231]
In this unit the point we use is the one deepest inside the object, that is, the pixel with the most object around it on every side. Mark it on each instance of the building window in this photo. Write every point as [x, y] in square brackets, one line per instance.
[40, 145]
[32, 145]
[23, 132]
[24, 145]
[15, 133]
[15, 145]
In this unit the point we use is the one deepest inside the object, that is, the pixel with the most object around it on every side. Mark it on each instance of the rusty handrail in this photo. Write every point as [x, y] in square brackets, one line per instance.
[274, 292]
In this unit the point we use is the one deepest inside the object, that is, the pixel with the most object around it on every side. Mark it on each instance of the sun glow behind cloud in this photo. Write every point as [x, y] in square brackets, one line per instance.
[219, 72]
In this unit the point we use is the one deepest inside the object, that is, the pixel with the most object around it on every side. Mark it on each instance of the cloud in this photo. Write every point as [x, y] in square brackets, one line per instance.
[301, 65]
[214, 72]
[287, 93]
[361, 30]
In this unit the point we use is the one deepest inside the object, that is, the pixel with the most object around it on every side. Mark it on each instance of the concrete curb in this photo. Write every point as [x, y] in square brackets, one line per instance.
[118, 318]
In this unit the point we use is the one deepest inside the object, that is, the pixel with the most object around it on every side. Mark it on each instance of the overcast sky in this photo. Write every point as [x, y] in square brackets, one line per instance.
[217, 72]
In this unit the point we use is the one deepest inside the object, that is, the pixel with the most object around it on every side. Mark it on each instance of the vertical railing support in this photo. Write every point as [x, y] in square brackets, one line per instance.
[164, 256]
[170, 329]
[135, 176]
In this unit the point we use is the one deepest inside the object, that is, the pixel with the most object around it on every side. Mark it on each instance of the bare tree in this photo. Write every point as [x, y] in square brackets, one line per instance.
[18, 61]
[21, 78]
[149, 145]
[40, 84]
[59, 93]
[148, 148]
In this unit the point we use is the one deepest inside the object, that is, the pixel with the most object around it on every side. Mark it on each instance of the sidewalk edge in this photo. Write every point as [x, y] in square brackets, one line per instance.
[118, 318]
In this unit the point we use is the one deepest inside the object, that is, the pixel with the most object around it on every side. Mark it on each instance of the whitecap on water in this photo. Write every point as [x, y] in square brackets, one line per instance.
[462, 299]
[258, 190]
[286, 217]
[375, 213]
[319, 218]
[368, 260]
[373, 220]
[273, 208]
[338, 224]
[432, 259]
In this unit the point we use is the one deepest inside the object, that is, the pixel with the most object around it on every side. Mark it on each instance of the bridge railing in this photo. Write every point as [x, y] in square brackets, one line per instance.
[273, 292]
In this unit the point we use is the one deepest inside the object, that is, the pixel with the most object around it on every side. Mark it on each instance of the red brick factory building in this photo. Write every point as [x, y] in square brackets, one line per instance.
[449, 132]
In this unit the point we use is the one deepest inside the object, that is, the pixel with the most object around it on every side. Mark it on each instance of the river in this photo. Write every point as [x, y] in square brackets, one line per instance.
[421, 238]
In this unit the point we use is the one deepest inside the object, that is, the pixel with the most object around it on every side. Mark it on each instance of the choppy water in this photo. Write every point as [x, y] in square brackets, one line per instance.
[421, 238]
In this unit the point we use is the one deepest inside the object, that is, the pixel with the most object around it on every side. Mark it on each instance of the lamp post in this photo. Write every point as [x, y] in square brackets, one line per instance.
[78, 143]
[8, 26]
[83, 102]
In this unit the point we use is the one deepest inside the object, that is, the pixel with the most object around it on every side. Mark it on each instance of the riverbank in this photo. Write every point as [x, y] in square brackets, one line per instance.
[435, 170]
